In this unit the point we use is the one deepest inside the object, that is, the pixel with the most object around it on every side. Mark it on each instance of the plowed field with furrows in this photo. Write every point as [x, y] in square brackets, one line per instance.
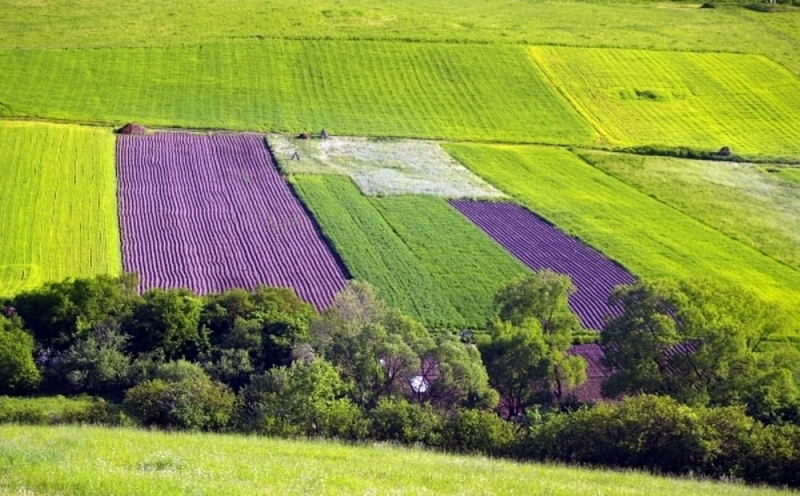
[212, 213]
[539, 245]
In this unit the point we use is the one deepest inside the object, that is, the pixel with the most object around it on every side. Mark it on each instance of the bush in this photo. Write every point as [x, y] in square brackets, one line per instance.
[196, 404]
[18, 372]
[475, 431]
[395, 419]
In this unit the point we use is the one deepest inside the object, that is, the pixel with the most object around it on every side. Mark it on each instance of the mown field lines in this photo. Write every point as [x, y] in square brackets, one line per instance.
[421, 254]
[745, 202]
[541, 246]
[486, 92]
[649, 238]
[57, 204]
[704, 100]
[212, 213]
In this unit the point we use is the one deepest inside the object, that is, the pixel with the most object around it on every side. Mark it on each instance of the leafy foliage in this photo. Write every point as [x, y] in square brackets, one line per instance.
[18, 372]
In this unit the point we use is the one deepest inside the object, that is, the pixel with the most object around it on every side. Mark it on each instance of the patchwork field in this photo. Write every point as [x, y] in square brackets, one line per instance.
[704, 100]
[541, 246]
[382, 167]
[212, 213]
[649, 238]
[485, 92]
[748, 203]
[421, 254]
[58, 204]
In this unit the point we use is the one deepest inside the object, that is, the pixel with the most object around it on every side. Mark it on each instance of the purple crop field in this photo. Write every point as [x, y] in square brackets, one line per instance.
[541, 246]
[211, 213]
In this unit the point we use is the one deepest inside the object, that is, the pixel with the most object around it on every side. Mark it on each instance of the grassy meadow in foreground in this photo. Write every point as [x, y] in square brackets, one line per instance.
[485, 92]
[705, 100]
[759, 208]
[648, 237]
[83, 460]
[58, 204]
[424, 257]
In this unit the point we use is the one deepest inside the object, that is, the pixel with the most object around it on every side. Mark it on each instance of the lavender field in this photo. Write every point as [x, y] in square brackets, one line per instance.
[212, 212]
[541, 246]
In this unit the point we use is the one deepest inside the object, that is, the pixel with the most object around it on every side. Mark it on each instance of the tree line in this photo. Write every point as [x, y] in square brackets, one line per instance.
[692, 385]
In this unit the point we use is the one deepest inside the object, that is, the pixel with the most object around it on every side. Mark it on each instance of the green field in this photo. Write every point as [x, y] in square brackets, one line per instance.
[703, 100]
[648, 237]
[356, 88]
[84, 460]
[789, 174]
[642, 24]
[58, 204]
[422, 255]
[748, 204]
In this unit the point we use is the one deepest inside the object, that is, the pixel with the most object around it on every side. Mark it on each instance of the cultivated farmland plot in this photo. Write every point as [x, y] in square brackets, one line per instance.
[648, 237]
[704, 100]
[431, 90]
[382, 167]
[539, 245]
[212, 213]
[57, 204]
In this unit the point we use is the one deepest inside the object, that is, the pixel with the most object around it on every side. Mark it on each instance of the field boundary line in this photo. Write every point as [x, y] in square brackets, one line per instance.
[604, 137]
[678, 210]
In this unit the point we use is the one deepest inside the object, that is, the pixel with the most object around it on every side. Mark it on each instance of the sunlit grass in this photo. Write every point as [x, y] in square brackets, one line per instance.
[82, 460]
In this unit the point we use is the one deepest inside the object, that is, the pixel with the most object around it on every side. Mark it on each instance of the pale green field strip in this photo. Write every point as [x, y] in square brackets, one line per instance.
[703, 100]
[662, 25]
[789, 174]
[755, 207]
[648, 237]
[58, 204]
[93, 460]
[424, 257]
[382, 166]
[469, 92]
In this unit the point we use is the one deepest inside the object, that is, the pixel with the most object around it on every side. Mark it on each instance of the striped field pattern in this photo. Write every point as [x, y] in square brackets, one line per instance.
[539, 245]
[703, 100]
[57, 204]
[212, 213]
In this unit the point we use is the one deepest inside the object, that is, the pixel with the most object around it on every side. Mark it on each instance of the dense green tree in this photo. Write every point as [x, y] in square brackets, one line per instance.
[18, 372]
[167, 320]
[376, 350]
[304, 399]
[59, 311]
[526, 350]
[95, 363]
[266, 323]
[697, 342]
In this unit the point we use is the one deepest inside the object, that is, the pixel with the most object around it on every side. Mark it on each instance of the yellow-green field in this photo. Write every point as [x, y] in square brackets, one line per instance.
[485, 92]
[704, 100]
[58, 204]
[650, 238]
[748, 203]
[83, 460]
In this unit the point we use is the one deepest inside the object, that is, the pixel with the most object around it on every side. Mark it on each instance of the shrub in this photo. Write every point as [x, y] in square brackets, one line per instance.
[475, 431]
[395, 419]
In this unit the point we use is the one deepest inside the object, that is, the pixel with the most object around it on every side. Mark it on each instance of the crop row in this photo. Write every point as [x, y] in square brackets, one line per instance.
[539, 245]
[211, 213]
[57, 204]
[647, 237]
[422, 255]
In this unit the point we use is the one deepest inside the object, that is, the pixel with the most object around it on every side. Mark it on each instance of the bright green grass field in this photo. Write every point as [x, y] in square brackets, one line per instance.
[704, 100]
[58, 204]
[353, 88]
[790, 174]
[648, 237]
[92, 460]
[748, 204]
[424, 257]
[642, 24]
